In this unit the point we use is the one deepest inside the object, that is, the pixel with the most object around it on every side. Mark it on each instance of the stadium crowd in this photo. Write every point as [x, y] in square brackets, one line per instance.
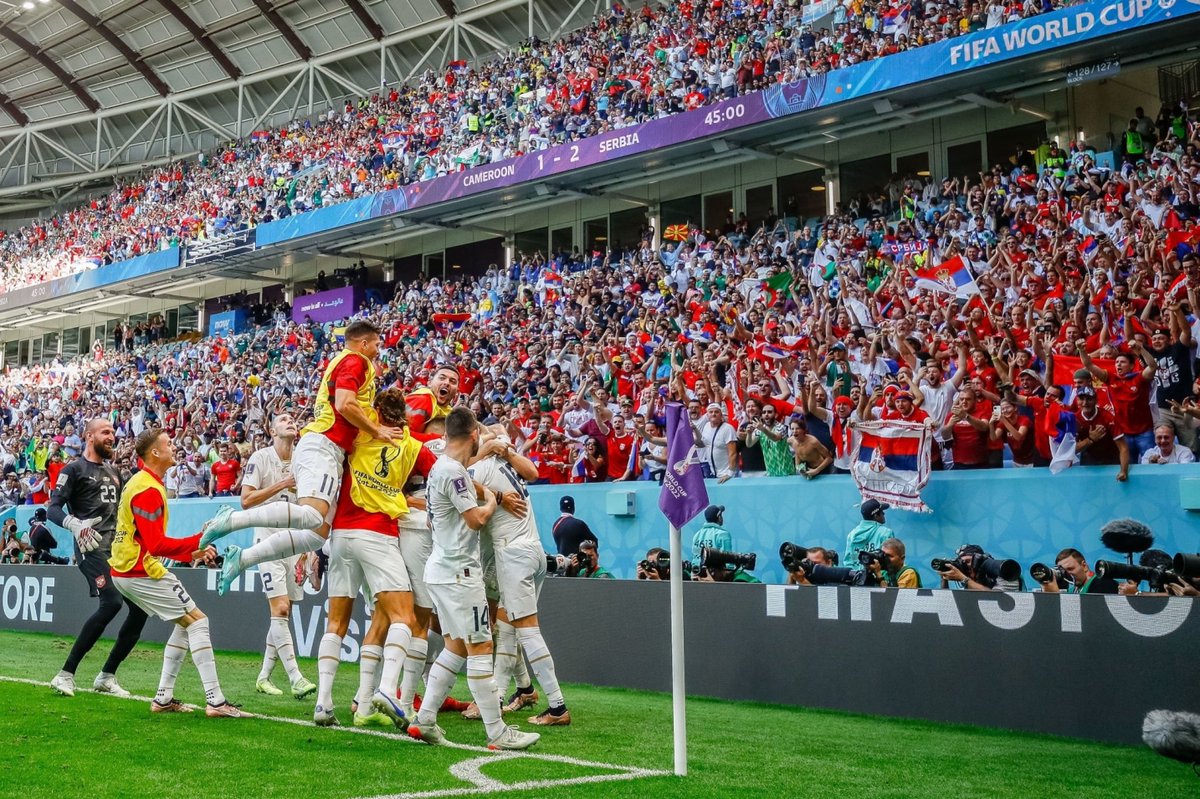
[622, 69]
[987, 308]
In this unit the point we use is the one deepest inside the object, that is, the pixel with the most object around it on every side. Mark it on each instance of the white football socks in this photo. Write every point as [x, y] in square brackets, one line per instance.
[395, 653]
[483, 690]
[269, 657]
[414, 670]
[285, 650]
[541, 663]
[200, 642]
[506, 655]
[277, 514]
[283, 544]
[173, 654]
[439, 684]
[329, 656]
[368, 662]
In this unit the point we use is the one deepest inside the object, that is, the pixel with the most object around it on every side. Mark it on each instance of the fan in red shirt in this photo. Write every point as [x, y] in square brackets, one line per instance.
[1130, 390]
[1098, 437]
[225, 472]
[621, 443]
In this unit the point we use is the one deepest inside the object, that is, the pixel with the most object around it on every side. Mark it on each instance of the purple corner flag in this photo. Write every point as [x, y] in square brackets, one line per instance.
[683, 493]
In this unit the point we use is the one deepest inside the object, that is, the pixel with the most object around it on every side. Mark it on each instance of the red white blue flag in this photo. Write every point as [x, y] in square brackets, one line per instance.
[891, 462]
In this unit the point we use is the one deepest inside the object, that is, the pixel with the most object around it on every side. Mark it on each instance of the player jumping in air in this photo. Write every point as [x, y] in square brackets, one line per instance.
[343, 408]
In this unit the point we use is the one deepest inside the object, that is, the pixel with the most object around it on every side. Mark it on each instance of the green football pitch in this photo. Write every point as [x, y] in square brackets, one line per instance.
[618, 746]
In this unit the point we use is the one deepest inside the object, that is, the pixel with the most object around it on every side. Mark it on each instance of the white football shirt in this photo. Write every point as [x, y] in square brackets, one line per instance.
[265, 468]
[504, 527]
[450, 493]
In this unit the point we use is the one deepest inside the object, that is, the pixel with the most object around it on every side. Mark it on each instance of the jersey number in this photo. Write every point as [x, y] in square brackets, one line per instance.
[515, 479]
[108, 493]
[481, 618]
[184, 599]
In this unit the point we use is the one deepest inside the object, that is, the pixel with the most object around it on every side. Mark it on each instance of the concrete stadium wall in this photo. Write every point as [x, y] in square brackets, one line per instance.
[1082, 666]
[1025, 514]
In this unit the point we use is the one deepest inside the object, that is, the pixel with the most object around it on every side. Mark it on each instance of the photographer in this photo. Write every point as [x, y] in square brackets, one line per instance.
[894, 572]
[1080, 579]
[975, 570]
[586, 562]
[12, 548]
[717, 566]
[657, 565]
[819, 556]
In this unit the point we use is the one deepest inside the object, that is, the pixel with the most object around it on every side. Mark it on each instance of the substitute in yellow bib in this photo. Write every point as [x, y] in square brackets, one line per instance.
[141, 539]
[364, 552]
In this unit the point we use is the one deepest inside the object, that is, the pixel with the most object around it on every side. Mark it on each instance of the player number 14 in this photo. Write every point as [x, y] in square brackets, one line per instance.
[481, 618]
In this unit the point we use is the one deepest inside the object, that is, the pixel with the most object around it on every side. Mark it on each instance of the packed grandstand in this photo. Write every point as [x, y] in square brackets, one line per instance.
[982, 305]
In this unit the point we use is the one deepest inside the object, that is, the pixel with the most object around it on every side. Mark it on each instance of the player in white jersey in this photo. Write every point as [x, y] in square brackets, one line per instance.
[520, 564]
[268, 478]
[454, 575]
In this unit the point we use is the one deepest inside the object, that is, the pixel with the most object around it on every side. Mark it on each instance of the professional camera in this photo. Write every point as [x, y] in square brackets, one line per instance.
[557, 565]
[868, 556]
[661, 564]
[729, 561]
[1186, 565]
[1156, 576]
[791, 555]
[983, 568]
[1045, 574]
[836, 575]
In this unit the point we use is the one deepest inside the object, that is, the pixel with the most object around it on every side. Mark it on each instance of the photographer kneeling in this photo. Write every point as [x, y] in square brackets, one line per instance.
[586, 562]
[1072, 569]
[657, 566]
[794, 559]
[892, 571]
[719, 566]
[975, 570]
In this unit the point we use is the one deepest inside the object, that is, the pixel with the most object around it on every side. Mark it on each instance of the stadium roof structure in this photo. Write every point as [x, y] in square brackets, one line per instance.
[93, 89]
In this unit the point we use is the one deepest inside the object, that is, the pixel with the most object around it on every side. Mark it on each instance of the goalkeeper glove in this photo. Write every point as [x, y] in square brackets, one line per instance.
[86, 536]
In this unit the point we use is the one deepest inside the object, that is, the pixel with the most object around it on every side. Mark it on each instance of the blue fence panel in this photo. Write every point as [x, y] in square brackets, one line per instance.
[1017, 513]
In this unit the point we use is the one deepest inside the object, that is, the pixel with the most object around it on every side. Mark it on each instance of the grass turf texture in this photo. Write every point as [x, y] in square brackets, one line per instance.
[98, 746]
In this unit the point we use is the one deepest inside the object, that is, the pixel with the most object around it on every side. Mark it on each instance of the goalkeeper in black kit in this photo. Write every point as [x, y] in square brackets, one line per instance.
[84, 502]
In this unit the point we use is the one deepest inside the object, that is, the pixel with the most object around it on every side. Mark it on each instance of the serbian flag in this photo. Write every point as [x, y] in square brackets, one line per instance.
[450, 322]
[948, 277]
[1180, 241]
[260, 135]
[1087, 249]
[890, 462]
[895, 21]
[1062, 427]
[457, 66]
[552, 278]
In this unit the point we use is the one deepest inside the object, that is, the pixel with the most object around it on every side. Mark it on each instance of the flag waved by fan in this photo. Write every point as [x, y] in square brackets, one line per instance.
[891, 462]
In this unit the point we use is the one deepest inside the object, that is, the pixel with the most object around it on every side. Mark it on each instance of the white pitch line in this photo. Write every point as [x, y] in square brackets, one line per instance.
[483, 786]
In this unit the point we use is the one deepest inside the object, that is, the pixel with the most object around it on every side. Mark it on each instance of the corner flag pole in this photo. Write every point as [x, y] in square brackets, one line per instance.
[678, 694]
